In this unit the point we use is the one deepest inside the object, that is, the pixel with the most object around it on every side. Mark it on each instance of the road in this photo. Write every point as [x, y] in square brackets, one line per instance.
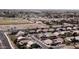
[4, 41]
[39, 42]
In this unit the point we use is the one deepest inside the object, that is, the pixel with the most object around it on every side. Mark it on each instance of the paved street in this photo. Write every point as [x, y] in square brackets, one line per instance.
[39, 42]
[4, 44]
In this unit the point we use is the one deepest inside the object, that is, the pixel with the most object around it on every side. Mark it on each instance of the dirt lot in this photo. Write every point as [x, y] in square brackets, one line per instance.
[9, 22]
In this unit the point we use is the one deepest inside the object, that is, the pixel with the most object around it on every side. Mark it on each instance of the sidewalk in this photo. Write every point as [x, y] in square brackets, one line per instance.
[13, 46]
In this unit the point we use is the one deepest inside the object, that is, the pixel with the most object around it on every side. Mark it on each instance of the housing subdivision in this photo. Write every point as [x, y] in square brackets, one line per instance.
[39, 29]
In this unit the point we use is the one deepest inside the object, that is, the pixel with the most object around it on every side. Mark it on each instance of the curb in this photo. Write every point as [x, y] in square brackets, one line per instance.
[9, 40]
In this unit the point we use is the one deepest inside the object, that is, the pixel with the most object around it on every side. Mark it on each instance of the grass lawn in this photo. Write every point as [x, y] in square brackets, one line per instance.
[12, 37]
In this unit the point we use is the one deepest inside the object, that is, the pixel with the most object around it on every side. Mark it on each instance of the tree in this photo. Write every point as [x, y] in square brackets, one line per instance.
[35, 46]
[74, 41]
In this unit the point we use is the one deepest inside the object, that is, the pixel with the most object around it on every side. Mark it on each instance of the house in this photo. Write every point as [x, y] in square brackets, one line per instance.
[47, 34]
[29, 44]
[32, 31]
[40, 34]
[45, 30]
[74, 28]
[62, 29]
[23, 42]
[58, 40]
[77, 37]
[51, 29]
[67, 24]
[20, 38]
[62, 32]
[20, 33]
[69, 28]
[58, 29]
[38, 30]
[57, 26]
[39, 22]
[48, 41]
[68, 39]
[55, 33]
[76, 31]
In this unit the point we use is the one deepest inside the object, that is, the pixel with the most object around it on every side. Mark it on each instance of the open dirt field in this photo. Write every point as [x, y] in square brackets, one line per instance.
[9, 22]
